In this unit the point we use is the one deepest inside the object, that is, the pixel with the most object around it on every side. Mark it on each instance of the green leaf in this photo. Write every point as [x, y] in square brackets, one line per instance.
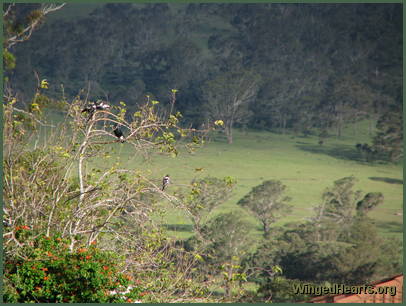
[44, 84]
[198, 257]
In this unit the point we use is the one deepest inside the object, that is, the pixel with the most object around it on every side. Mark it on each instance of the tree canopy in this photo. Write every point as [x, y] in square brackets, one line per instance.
[306, 67]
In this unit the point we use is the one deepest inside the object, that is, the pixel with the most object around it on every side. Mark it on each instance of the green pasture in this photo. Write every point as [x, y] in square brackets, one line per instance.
[304, 166]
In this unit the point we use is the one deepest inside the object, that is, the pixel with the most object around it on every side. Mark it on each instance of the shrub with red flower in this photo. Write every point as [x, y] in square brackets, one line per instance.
[50, 273]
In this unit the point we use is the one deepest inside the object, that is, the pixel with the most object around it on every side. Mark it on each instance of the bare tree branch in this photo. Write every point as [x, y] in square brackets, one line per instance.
[10, 6]
[26, 33]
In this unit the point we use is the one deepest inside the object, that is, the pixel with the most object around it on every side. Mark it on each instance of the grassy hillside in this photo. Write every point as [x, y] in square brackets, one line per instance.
[299, 162]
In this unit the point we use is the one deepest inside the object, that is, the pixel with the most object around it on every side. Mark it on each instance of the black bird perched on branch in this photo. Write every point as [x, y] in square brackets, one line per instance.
[98, 105]
[118, 133]
[101, 105]
[165, 181]
[89, 108]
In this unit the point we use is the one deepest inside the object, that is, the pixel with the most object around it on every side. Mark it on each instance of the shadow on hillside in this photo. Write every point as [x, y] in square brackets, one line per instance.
[390, 226]
[345, 152]
[386, 180]
[179, 227]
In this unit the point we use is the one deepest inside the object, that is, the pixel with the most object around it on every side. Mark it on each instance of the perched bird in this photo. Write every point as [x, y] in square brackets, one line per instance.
[6, 223]
[118, 133]
[101, 105]
[165, 181]
[98, 105]
[89, 108]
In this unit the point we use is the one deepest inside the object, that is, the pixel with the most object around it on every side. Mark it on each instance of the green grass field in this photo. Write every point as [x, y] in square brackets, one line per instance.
[304, 166]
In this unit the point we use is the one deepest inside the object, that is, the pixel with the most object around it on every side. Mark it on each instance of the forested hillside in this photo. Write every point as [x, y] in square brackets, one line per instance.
[200, 152]
[317, 65]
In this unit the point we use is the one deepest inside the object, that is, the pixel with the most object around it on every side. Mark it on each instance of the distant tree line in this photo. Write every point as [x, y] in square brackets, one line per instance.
[309, 68]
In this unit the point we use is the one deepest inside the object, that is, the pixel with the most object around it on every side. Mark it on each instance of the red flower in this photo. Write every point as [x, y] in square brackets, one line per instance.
[88, 256]
[46, 277]
[105, 268]
[44, 269]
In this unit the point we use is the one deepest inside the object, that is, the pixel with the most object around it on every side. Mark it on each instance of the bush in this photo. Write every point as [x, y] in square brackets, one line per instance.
[49, 272]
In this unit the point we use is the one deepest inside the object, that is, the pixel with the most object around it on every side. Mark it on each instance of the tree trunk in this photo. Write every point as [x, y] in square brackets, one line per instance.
[339, 126]
[284, 125]
[267, 229]
[229, 133]
[228, 289]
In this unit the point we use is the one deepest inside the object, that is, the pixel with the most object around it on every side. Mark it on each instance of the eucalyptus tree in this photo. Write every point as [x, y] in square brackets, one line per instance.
[336, 209]
[204, 196]
[267, 203]
[389, 136]
[228, 97]
[56, 187]
[228, 240]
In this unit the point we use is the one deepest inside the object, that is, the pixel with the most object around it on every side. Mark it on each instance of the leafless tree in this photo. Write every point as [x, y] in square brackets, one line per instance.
[228, 97]
[36, 19]
[39, 185]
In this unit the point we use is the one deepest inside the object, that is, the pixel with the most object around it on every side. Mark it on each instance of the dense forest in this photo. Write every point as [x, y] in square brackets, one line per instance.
[310, 67]
[174, 75]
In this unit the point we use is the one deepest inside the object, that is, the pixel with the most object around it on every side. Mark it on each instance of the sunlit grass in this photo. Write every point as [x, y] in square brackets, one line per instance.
[304, 166]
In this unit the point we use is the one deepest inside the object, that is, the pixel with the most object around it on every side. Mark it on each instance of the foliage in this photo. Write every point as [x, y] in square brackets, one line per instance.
[369, 202]
[389, 138]
[335, 64]
[164, 268]
[339, 244]
[339, 202]
[223, 244]
[68, 194]
[355, 257]
[9, 60]
[363, 260]
[64, 188]
[227, 236]
[267, 202]
[280, 290]
[205, 195]
[47, 271]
